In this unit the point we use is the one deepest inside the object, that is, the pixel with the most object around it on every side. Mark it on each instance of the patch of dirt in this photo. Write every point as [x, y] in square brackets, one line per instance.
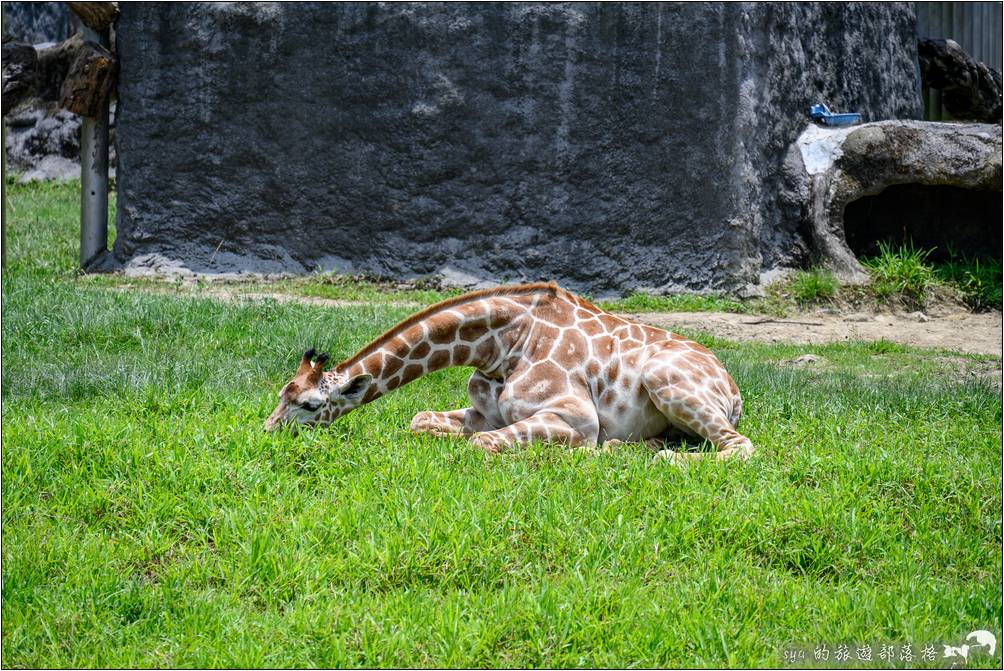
[944, 327]
[971, 333]
[805, 361]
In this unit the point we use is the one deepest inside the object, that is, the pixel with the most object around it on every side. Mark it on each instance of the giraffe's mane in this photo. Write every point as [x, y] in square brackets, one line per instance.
[422, 315]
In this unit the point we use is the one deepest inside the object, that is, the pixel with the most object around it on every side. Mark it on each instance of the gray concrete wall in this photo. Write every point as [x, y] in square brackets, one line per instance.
[605, 146]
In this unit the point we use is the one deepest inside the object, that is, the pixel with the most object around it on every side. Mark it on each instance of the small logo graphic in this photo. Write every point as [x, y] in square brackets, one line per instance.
[976, 644]
[981, 638]
[961, 651]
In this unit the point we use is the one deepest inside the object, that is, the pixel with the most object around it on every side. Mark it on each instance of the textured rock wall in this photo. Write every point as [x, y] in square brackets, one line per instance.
[859, 57]
[606, 146]
[844, 165]
[36, 22]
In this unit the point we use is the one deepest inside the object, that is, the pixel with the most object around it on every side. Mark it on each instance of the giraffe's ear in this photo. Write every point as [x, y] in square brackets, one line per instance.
[316, 370]
[354, 389]
[305, 365]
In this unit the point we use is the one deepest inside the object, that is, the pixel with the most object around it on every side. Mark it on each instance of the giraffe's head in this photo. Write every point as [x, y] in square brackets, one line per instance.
[314, 397]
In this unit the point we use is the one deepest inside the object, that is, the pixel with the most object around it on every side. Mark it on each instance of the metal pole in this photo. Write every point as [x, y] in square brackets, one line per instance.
[3, 195]
[3, 185]
[94, 178]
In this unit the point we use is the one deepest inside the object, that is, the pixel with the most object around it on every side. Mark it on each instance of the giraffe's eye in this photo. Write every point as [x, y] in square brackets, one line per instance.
[311, 406]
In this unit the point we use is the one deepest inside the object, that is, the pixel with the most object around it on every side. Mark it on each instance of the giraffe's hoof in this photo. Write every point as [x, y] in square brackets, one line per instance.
[745, 451]
[423, 422]
[487, 442]
[610, 446]
[433, 423]
[674, 457]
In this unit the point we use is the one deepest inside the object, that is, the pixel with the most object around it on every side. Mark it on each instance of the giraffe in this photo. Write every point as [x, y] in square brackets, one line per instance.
[549, 366]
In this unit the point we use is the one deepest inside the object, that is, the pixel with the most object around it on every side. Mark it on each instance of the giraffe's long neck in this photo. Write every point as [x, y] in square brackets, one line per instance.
[479, 333]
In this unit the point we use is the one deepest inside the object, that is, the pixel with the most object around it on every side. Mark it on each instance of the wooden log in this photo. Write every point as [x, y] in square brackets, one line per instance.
[89, 81]
[71, 72]
[970, 90]
[98, 16]
[20, 72]
[53, 65]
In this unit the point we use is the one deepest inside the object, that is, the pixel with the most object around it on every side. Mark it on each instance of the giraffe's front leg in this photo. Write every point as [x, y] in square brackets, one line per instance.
[544, 426]
[483, 415]
[456, 422]
[439, 423]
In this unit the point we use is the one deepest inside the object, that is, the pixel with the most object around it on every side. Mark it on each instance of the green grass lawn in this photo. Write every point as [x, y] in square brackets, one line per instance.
[149, 521]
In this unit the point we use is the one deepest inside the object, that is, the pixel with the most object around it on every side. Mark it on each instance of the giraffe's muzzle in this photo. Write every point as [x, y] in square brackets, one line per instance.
[275, 420]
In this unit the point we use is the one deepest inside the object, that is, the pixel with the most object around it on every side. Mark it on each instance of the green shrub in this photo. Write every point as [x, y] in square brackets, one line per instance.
[901, 272]
[811, 286]
[979, 280]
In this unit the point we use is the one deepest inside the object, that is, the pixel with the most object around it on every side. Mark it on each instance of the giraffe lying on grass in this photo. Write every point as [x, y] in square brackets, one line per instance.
[549, 367]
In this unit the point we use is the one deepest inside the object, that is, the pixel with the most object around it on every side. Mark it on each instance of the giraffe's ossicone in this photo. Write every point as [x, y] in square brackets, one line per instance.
[549, 366]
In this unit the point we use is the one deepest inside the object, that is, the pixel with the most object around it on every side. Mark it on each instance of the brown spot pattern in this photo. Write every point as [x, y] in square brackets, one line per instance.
[438, 360]
[412, 372]
[472, 333]
[485, 351]
[461, 355]
[391, 365]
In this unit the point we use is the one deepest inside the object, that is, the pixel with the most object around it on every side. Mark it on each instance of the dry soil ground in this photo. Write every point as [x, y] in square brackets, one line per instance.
[967, 332]
[946, 328]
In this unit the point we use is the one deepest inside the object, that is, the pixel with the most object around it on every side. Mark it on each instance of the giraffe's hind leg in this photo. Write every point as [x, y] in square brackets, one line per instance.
[705, 413]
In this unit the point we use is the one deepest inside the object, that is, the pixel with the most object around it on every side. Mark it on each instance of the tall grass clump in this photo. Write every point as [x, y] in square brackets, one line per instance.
[815, 285]
[978, 280]
[902, 272]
